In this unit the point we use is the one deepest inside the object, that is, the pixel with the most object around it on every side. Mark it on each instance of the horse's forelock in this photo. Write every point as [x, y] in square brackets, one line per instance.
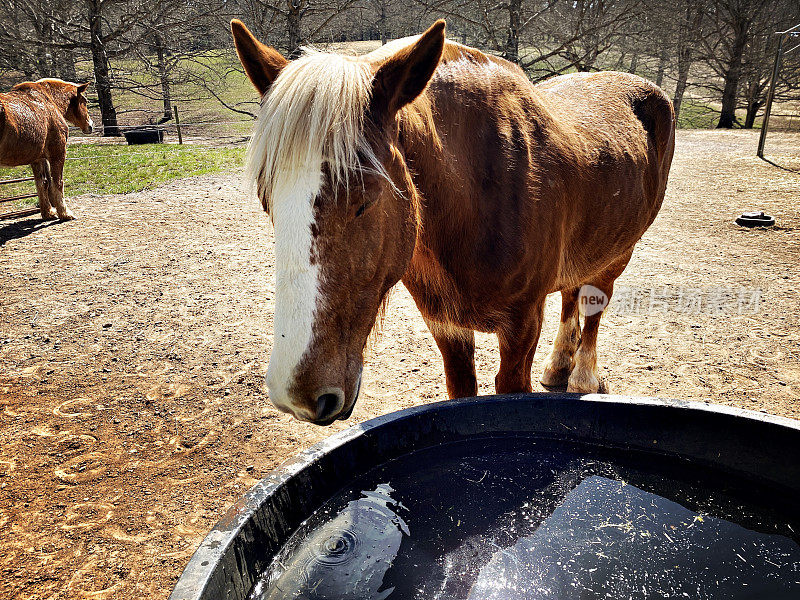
[313, 114]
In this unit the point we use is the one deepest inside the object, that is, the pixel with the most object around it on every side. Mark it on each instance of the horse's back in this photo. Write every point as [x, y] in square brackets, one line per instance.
[577, 165]
[629, 111]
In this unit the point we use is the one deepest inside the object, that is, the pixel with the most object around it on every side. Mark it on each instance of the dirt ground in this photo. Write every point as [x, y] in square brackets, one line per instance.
[134, 341]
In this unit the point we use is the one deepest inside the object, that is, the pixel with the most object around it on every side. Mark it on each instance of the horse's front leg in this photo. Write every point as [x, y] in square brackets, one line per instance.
[458, 353]
[559, 364]
[585, 378]
[57, 186]
[518, 341]
[41, 176]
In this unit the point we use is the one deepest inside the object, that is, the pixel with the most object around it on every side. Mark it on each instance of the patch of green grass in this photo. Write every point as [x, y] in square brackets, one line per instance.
[118, 169]
[696, 114]
[220, 71]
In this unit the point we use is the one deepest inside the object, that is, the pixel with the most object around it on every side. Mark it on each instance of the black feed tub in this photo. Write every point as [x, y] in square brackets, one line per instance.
[144, 135]
[752, 453]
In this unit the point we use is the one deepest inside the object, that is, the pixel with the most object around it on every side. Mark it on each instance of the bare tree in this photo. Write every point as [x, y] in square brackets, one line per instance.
[731, 24]
[687, 38]
[28, 29]
[759, 56]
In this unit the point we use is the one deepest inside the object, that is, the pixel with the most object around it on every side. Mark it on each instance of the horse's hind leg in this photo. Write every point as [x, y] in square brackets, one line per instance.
[558, 365]
[57, 189]
[458, 353]
[584, 377]
[41, 175]
[518, 341]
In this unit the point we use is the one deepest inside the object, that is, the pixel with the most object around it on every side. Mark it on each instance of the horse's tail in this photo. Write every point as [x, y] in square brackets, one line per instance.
[2, 118]
[654, 109]
[48, 176]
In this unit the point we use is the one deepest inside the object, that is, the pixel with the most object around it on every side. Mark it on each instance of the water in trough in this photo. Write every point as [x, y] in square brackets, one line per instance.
[517, 518]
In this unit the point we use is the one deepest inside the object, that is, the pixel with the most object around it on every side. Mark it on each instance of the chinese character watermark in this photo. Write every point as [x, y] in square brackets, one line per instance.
[715, 301]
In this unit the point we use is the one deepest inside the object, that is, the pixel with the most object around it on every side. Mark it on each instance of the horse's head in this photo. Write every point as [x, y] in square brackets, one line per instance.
[68, 97]
[77, 111]
[330, 172]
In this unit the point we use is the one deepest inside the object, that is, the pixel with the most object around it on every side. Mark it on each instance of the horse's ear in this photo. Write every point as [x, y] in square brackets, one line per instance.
[404, 76]
[261, 63]
[82, 88]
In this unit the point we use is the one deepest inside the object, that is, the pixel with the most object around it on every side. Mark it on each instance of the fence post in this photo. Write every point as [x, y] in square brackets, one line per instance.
[178, 123]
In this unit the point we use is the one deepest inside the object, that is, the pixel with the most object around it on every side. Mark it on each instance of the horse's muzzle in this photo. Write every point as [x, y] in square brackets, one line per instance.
[345, 414]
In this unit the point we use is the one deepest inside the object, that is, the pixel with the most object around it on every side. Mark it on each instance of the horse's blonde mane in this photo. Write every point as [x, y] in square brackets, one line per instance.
[313, 114]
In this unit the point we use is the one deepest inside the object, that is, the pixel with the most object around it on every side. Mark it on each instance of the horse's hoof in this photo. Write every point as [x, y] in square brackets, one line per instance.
[51, 216]
[583, 383]
[554, 377]
[67, 217]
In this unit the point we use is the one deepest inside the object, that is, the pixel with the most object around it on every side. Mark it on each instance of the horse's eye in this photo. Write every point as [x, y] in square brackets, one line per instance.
[361, 209]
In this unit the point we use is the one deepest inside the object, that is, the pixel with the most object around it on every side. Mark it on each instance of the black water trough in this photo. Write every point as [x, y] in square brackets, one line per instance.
[522, 496]
[147, 134]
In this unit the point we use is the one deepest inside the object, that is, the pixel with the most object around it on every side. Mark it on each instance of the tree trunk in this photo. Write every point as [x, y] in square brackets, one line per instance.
[732, 74]
[383, 22]
[662, 65]
[164, 75]
[684, 62]
[753, 104]
[65, 66]
[44, 62]
[686, 39]
[293, 18]
[634, 63]
[512, 44]
[752, 112]
[102, 77]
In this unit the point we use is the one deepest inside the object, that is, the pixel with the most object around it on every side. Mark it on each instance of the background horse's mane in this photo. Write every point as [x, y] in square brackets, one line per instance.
[313, 114]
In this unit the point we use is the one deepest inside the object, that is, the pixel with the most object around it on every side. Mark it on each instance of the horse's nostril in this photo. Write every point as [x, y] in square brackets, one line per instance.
[327, 405]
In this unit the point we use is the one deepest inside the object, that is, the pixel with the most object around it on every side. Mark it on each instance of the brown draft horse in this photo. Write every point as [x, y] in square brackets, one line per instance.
[433, 163]
[34, 131]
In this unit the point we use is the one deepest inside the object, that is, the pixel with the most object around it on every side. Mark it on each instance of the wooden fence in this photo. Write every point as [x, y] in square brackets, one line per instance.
[18, 213]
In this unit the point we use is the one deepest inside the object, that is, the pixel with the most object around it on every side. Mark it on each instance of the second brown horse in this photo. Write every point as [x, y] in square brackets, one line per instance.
[433, 163]
[34, 118]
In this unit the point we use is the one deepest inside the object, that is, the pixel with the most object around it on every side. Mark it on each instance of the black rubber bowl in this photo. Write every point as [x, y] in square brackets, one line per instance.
[755, 219]
[757, 449]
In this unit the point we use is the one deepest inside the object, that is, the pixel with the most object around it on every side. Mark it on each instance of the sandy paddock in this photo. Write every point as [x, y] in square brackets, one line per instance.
[134, 341]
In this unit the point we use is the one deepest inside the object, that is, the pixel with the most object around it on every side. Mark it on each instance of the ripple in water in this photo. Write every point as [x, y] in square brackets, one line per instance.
[345, 557]
[520, 519]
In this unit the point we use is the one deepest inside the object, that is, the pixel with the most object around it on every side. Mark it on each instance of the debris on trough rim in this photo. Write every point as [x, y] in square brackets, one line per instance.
[239, 548]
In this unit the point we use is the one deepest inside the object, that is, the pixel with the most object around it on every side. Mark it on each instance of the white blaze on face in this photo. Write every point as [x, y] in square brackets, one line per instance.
[296, 281]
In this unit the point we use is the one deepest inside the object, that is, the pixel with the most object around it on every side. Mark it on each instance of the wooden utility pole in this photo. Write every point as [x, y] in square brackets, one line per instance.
[771, 93]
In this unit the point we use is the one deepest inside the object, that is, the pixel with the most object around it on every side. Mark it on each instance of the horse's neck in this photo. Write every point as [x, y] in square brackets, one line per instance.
[53, 96]
[446, 206]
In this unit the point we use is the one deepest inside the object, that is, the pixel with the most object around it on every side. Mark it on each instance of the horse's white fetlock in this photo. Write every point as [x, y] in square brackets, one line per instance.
[583, 381]
[557, 369]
